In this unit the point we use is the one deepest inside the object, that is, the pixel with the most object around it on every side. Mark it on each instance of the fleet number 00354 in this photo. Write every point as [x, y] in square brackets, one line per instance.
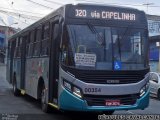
[92, 90]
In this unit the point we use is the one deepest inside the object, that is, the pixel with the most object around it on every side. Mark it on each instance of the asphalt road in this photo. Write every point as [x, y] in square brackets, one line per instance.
[28, 108]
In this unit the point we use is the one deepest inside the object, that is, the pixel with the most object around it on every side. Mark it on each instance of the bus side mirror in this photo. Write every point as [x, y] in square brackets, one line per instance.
[60, 25]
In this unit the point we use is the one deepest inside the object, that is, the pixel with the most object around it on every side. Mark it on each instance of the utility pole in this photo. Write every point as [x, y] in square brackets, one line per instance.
[147, 4]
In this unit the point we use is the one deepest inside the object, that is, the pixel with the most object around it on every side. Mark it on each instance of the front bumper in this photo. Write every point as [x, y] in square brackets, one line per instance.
[68, 101]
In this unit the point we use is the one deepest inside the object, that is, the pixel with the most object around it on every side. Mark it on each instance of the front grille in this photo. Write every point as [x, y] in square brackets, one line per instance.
[111, 79]
[99, 100]
[107, 77]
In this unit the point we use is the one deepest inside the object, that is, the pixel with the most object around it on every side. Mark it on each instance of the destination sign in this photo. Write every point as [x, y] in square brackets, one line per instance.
[104, 14]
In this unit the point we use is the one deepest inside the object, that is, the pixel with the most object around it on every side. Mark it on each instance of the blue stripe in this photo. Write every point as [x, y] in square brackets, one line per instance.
[68, 101]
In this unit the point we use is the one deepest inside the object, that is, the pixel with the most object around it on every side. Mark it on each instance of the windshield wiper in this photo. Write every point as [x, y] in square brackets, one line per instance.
[127, 31]
[93, 30]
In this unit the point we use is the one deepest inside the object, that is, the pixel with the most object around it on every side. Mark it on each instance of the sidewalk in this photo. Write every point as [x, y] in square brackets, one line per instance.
[3, 82]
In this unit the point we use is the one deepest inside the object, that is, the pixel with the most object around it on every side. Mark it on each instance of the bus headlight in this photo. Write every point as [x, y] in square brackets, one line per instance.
[77, 92]
[67, 85]
[74, 90]
[144, 89]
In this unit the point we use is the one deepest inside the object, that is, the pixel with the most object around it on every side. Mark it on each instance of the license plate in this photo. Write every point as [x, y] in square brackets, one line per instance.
[112, 102]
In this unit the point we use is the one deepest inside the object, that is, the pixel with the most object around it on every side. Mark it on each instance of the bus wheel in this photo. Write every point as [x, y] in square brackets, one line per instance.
[15, 90]
[108, 112]
[44, 105]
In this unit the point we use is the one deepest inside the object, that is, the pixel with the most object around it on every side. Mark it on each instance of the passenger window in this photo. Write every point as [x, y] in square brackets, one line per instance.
[32, 38]
[36, 49]
[17, 52]
[37, 41]
[38, 33]
[46, 31]
[45, 48]
[45, 40]
[30, 44]
[30, 50]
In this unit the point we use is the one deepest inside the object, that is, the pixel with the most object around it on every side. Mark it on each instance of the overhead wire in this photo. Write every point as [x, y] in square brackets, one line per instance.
[18, 15]
[39, 4]
[22, 11]
[3, 21]
[17, 19]
[53, 2]
[118, 3]
[24, 16]
[21, 15]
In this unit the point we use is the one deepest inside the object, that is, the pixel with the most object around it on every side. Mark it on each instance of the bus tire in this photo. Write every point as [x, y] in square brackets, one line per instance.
[158, 94]
[15, 90]
[108, 112]
[44, 104]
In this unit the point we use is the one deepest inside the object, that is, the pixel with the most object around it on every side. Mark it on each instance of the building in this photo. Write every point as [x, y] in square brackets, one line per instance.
[5, 32]
[154, 37]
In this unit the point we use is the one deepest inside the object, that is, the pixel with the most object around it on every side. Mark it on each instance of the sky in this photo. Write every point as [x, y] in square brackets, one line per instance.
[22, 13]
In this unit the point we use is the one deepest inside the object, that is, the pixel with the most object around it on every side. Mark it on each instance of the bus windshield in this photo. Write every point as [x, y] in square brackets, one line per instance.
[99, 47]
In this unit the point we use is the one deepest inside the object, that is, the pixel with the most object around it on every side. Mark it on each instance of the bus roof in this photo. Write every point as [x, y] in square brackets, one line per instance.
[105, 5]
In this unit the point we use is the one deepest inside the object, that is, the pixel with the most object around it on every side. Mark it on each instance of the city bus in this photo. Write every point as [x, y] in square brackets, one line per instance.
[83, 57]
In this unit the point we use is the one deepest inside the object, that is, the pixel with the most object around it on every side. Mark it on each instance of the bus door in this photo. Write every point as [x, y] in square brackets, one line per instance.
[23, 59]
[54, 62]
[13, 43]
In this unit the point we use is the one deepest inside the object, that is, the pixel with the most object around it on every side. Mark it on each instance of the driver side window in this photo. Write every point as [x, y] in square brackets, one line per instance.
[66, 50]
